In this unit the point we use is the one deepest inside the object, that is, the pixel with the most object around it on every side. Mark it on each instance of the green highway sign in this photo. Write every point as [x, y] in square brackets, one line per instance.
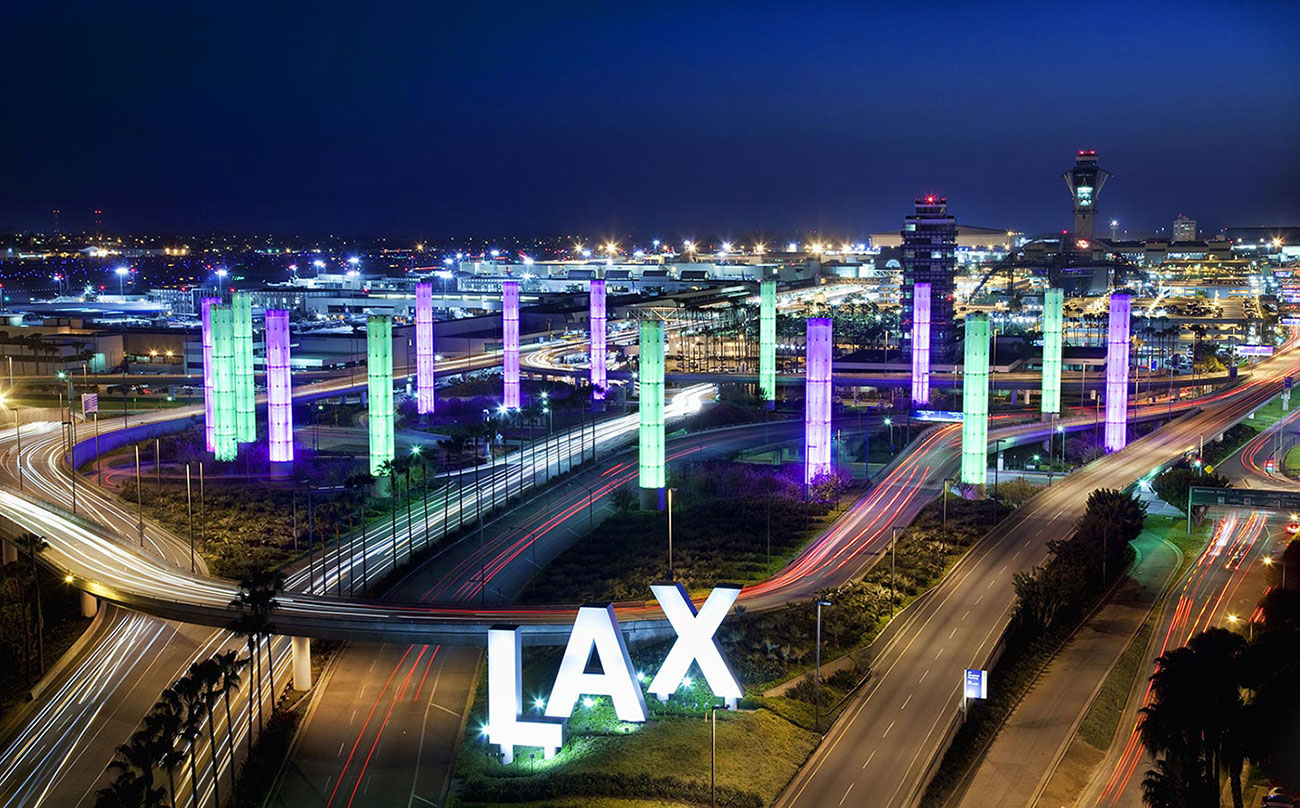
[1257, 498]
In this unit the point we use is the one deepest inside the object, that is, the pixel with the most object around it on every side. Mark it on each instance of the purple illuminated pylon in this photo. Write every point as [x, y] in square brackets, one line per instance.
[597, 327]
[817, 399]
[510, 341]
[1117, 349]
[209, 373]
[424, 389]
[921, 343]
[279, 387]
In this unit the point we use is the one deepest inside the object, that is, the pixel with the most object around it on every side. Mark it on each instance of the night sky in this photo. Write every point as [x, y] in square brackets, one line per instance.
[672, 120]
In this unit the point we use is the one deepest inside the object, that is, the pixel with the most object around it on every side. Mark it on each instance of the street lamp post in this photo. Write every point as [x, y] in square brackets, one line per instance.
[713, 754]
[997, 463]
[893, 566]
[889, 422]
[670, 534]
[817, 671]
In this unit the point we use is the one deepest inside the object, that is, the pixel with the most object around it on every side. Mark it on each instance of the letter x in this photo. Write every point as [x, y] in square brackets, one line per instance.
[695, 641]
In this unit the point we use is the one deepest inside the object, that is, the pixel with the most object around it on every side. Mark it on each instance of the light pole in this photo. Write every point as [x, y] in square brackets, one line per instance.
[893, 567]
[817, 671]
[997, 463]
[713, 754]
[670, 534]
[947, 487]
[889, 422]
[122, 272]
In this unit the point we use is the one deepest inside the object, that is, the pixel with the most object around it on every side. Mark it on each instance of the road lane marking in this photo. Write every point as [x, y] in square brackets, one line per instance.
[906, 702]
[887, 729]
[922, 679]
[846, 793]
[953, 633]
[936, 656]
[869, 757]
[967, 614]
[977, 600]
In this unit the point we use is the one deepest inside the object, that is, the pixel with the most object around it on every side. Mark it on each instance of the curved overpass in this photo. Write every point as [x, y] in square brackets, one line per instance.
[110, 566]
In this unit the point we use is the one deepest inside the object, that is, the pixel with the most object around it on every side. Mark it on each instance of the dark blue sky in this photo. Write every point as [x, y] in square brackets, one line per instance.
[679, 120]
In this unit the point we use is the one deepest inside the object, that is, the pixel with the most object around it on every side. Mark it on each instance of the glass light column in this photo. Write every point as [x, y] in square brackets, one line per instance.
[596, 325]
[817, 398]
[241, 304]
[279, 387]
[226, 435]
[921, 343]
[1116, 435]
[767, 341]
[209, 372]
[379, 376]
[1053, 325]
[424, 380]
[975, 401]
[651, 407]
[510, 342]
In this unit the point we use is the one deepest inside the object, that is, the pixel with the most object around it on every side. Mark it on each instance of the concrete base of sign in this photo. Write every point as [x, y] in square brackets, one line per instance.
[89, 605]
[10, 552]
[282, 469]
[382, 487]
[598, 405]
[301, 663]
[652, 499]
[769, 405]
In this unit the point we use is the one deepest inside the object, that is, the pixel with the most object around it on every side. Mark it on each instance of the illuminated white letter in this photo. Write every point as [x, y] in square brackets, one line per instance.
[506, 700]
[596, 626]
[696, 641]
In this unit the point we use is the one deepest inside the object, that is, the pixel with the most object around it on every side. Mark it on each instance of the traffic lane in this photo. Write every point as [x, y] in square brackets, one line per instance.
[363, 670]
[1047, 516]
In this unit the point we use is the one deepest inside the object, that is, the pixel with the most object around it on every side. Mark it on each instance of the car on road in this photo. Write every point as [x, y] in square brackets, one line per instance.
[1277, 798]
[1293, 528]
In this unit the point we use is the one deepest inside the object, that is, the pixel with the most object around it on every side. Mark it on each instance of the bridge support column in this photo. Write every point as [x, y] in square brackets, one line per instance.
[89, 605]
[10, 552]
[301, 663]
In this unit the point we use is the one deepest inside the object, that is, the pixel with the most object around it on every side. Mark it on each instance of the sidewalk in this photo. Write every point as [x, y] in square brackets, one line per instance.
[1027, 748]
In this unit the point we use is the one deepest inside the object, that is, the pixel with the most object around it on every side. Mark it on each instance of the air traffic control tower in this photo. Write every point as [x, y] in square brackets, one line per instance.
[1085, 181]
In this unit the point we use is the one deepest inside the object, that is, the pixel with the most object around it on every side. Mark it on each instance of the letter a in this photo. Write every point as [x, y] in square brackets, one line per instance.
[696, 641]
[597, 627]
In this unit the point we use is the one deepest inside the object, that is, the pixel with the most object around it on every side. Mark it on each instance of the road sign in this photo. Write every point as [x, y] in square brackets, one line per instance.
[1258, 498]
[1287, 382]
[976, 684]
[89, 403]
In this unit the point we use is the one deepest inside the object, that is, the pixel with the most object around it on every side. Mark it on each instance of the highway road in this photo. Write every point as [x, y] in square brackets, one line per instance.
[845, 552]
[354, 748]
[1226, 580]
[881, 747]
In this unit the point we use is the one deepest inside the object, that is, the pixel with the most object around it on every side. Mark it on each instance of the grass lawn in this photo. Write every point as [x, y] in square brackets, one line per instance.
[1102, 719]
[1174, 530]
[670, 753]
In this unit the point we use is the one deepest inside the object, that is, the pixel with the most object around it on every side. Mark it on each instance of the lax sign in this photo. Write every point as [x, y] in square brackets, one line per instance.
[596, 629]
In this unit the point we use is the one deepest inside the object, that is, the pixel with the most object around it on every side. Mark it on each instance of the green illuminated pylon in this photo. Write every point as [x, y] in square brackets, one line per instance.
[1053, 317]
[975, 401]
[651, 375]
[241, 304]
[225, 444]
[379, 372]
[767, 340]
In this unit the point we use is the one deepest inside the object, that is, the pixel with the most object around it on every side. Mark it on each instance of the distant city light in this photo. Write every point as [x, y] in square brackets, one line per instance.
[354, 260]
[792, 247]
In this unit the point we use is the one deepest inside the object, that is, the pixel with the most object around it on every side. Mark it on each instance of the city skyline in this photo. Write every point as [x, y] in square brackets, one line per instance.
[723, 119]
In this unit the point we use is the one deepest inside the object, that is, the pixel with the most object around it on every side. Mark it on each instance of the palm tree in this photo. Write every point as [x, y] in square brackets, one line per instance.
[208, 674]
[126, 791]
[247, 626]
[166, 719]
[229, 665]
[134, 760]
[189, 692]
[256, 601]
[34, 545]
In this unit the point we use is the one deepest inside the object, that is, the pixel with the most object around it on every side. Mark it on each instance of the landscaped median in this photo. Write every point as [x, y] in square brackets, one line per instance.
[720, 531]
